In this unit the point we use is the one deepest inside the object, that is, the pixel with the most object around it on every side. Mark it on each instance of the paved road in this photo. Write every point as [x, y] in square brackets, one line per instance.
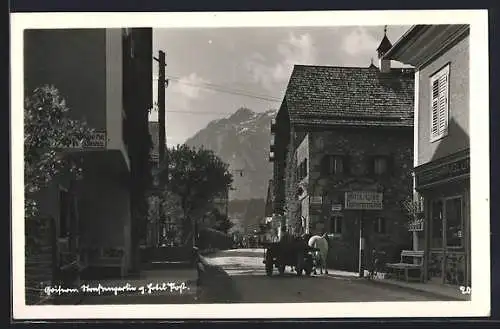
[241, 278]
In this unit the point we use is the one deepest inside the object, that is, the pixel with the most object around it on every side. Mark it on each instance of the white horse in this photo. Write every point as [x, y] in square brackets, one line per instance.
[320, 256]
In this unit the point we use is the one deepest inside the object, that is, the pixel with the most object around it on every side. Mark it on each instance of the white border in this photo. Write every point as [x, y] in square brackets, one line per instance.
[479, 133]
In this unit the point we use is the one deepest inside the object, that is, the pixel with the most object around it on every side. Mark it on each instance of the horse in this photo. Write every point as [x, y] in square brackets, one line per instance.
[321, 243]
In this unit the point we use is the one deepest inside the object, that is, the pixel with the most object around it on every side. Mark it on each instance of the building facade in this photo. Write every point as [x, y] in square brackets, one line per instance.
[342, 152]
[94, 71]
[440, 54]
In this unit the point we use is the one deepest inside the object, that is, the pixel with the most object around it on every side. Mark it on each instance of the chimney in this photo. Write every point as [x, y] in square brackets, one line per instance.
[385, 45]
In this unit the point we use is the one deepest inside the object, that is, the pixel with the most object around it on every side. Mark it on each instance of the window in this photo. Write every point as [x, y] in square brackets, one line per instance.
[334, 164]
[302, 170]
[336, 225]
[454, 228]
[379, 226]
[380, 165]
[439, 103]
[437, 224]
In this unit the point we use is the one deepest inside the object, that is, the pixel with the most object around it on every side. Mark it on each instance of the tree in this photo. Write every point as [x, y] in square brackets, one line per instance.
[196, 176]
[222, 222]
[48, 132]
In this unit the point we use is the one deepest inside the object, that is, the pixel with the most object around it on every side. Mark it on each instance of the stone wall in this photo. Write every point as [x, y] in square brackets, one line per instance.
[359, 146]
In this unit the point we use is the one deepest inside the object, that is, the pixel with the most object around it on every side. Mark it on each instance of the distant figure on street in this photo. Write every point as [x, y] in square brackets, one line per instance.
[321, 243]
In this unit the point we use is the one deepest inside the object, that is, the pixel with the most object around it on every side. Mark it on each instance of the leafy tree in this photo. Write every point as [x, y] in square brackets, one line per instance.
[222, 222]
[196, 176]
[48, 132]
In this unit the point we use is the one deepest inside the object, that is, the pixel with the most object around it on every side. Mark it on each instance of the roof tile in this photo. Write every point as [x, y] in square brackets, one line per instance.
[350, 96]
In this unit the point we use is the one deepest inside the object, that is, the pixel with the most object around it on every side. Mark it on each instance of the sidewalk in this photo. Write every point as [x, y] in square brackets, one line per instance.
[446, 292]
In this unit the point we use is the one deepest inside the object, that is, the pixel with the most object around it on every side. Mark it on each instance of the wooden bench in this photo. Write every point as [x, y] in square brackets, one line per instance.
[405, 267]
[106, 257]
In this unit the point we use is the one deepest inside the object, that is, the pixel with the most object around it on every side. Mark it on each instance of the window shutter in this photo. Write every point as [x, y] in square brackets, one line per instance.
[370, 163]
[390, 164]
[435, 109]
[440, 103]
[347, 164]
[325, 165]
[443, 104]
[382, 225]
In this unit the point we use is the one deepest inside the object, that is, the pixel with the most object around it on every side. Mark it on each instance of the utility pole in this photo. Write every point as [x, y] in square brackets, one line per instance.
[162, 161]
[161, 104]
[361, 244]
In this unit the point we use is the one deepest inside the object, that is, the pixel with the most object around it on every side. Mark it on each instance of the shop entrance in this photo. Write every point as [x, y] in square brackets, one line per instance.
[447, 255]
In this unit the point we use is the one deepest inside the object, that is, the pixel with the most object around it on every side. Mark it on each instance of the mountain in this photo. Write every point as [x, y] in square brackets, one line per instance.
[242, 140]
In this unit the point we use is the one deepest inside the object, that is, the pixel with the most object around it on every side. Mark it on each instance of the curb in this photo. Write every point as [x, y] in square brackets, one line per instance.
[214, 284]
[433, 294]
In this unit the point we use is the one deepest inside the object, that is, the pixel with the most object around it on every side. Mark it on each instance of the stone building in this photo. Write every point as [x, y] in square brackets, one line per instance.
[440, 54]
[343, 154]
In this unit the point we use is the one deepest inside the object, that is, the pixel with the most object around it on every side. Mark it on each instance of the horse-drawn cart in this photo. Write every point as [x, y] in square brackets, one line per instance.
[295, 253]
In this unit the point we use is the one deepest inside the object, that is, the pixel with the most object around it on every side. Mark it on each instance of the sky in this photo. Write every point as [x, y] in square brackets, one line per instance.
[214, 71]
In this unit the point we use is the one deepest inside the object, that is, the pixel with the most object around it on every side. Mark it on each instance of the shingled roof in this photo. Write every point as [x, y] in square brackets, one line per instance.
[355, 96]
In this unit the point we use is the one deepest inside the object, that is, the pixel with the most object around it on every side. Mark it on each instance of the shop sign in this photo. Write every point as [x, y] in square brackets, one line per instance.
[98, 139]
[446, 171]
[336, 207]
[363, 200]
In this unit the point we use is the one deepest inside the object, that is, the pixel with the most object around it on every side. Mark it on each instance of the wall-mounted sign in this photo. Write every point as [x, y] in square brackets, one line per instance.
[98, 139]
[443, 172]
[363, 200]
[336, 207]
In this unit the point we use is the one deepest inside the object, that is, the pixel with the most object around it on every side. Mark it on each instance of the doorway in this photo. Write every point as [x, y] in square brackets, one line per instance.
[447, 256]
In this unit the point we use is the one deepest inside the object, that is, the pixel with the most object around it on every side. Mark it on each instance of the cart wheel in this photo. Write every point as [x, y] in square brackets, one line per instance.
[308, 268]
[269, 268]
[281, 269]
[300, 264]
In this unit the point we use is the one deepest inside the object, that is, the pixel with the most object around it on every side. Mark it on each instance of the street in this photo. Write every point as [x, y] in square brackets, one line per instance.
[238, 276]
[242, 279]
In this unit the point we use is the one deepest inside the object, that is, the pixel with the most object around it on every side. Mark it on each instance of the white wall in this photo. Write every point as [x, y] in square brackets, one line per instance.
[114, 91]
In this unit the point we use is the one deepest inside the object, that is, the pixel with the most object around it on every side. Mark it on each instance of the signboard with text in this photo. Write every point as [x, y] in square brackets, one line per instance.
[98, 139]
[336, 207]
[363, 200]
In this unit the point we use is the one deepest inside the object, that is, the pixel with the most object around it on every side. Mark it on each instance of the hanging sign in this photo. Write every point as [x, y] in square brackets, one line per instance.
[416, 225]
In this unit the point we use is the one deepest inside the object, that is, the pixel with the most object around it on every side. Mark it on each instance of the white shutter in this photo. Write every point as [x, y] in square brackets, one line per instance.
[439, 104]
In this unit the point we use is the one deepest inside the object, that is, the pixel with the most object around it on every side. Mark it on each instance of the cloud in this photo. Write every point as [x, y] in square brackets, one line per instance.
[294, 50]
[358, 42]
[190, 86]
